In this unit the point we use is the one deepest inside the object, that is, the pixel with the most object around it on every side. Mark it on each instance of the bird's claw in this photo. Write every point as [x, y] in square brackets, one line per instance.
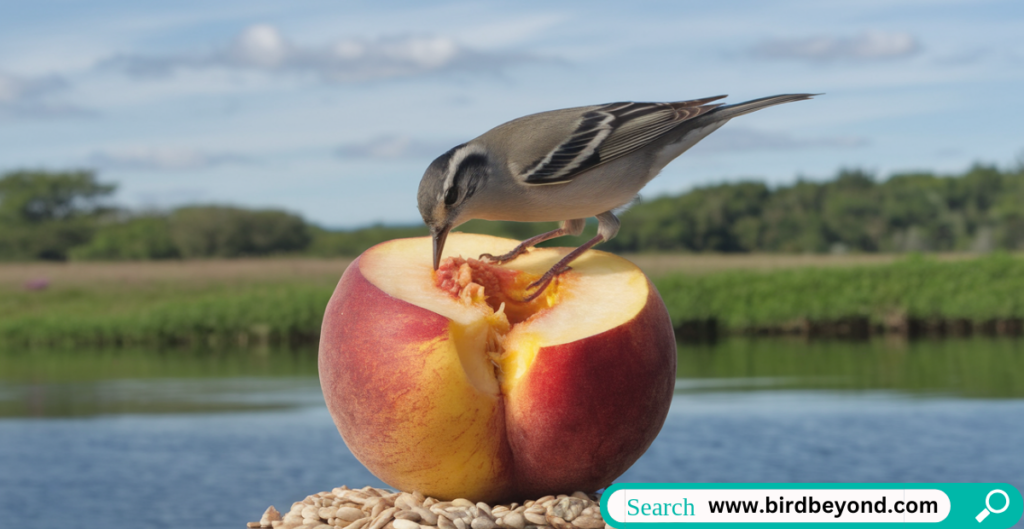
[542, 284]
[489, 258]
[503, 258]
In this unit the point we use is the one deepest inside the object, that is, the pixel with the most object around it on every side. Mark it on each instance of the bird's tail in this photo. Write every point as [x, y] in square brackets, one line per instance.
[726, 112]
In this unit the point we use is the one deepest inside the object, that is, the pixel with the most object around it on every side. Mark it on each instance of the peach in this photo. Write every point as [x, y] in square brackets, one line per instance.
[444, 383]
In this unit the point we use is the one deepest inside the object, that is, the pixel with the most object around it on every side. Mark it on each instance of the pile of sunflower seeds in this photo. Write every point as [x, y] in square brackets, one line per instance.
[372, 508]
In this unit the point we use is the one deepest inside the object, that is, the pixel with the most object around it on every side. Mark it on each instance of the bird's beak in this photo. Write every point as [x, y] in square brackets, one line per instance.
[440, 235]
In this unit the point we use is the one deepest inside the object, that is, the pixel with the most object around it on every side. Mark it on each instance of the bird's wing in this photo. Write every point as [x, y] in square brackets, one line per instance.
[609, 132]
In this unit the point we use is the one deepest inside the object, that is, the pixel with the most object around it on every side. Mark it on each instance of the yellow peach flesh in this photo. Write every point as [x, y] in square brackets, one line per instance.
[601, 292]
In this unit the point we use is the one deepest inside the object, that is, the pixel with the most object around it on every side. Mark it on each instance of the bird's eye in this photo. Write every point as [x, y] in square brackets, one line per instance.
[451, 196]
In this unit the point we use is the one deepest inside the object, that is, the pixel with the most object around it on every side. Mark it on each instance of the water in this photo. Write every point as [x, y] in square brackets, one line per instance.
[215, 443]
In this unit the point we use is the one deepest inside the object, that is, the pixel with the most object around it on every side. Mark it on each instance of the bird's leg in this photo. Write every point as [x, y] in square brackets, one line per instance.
[569, 227]
[561, 266]
[607, 227]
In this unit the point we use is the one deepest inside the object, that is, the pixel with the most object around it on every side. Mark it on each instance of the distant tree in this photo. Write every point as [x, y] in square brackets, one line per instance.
[218, 231]
[979, 210]
[350, 243]
[723, 218]
[45, 213]
[792, 220]
[53, 215]
[41, 196]
[851, 211]
[134, 238]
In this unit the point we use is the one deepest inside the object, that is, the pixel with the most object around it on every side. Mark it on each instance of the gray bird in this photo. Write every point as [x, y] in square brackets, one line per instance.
[566, 165]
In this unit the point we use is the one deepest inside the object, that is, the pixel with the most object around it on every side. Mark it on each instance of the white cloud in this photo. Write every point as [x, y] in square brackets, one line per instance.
[738, 139]
[160, 158]
[263, 47]
[869, 46]
[393, 147]
[33, 97]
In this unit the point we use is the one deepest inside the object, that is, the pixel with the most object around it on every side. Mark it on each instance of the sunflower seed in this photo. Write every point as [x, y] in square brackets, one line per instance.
[402, 523]
[557, 522]
[349, 514]
[535, 518]
[588, 522]
[311, 512]
[426, 516]
[412, 516]
[383, 518]
[514, 520]
[482, 522]
[456, 513]
[374, 508]
[567, 508]
[269, 517]
[358, 524]
[439, 507]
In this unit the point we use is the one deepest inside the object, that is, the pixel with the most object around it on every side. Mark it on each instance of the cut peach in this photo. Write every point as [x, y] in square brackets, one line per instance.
[446, 383]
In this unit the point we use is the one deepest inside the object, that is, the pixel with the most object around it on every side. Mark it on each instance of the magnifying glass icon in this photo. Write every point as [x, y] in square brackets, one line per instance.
[988, 506]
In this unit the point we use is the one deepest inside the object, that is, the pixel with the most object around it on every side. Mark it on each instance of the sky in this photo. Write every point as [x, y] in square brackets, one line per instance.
[333, 109]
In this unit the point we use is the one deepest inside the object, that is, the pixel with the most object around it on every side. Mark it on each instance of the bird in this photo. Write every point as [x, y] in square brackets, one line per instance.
[566, 165]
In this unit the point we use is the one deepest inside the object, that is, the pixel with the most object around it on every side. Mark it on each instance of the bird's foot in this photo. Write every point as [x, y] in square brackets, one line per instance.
[542, 284]
[503, 258]
[561, 266]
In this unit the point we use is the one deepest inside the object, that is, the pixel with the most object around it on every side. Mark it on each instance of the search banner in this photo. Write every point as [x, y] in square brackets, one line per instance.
[807, 505]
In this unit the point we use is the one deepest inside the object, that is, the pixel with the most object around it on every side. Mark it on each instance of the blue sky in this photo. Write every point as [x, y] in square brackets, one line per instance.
[334, 109]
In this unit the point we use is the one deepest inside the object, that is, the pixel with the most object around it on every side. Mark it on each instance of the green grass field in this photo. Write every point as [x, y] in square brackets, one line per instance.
[204, 303]
[218, 303]
[977, 290]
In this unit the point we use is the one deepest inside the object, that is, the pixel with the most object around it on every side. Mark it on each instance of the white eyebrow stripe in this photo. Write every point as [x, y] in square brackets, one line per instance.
[454, 163]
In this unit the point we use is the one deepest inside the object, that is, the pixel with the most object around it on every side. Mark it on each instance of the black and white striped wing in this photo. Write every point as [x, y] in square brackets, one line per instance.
[607, 133]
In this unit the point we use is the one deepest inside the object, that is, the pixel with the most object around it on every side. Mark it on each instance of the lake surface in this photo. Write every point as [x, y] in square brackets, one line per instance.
[141, 439]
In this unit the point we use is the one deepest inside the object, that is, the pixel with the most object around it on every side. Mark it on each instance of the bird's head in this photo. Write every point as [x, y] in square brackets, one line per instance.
[447, 186]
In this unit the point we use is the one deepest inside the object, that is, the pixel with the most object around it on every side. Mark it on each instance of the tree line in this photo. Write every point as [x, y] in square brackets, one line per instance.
[62, 215]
